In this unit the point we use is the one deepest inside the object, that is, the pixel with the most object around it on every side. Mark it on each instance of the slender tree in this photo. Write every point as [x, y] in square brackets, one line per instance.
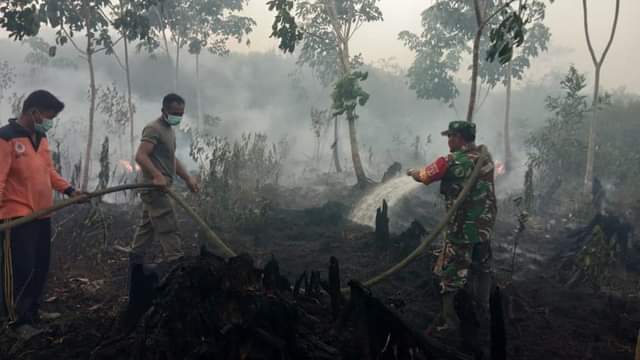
[537, 37]
[210, 24]
[130, 19]
[597, 64]
[132, 25]
[197, 25]
[453, 29]
[329, 27]
[68, 17]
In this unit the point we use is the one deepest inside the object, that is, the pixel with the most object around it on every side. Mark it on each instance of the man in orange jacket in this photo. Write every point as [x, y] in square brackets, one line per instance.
[27, 180]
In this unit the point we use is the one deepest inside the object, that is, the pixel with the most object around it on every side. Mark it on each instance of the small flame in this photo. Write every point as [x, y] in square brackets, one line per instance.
[501, 169]
[127, 166]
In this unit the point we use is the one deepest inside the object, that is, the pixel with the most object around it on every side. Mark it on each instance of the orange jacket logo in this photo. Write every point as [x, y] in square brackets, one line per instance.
[20, 148]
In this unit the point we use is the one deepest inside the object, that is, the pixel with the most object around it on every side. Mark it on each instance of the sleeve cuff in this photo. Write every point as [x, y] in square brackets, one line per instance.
[68, 191]
[149, 140]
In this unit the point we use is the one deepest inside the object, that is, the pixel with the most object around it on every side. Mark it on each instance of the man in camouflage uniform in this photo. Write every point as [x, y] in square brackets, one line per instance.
[466, 262]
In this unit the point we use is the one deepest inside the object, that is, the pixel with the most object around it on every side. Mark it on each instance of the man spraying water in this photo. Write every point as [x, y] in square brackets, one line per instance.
[465, 263]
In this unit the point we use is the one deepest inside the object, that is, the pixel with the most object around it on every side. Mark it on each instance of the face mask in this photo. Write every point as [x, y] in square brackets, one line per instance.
[173, 120]
[45, 126]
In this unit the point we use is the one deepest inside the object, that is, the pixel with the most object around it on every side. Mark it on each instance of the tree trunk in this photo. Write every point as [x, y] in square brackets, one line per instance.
[355, 154]
[177, 84]
[351, 118]
[597, 63]
[198, 99]
[164, 39]
[474, 75]
[129, 102]
[317, 150]
[507, 113]
[336, 154]
[588, 174]
[92, 109]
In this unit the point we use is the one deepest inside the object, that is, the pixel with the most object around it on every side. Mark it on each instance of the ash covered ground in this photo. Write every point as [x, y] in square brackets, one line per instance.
[545, 317]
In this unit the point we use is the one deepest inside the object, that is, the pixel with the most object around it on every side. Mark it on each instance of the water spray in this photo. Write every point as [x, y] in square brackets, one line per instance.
[427, 240]
[392, 191]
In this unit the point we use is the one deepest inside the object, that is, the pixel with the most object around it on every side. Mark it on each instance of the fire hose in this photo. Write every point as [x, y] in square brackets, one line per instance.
[216, 241]
[211, 236]
[427, 240]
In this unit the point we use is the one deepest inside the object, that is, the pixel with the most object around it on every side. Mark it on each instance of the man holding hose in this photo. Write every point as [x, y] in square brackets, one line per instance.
[157, 160]
[27, 180]
[465, 263]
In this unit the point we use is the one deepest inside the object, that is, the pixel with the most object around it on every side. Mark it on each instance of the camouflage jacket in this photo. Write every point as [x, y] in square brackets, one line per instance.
[474, 220]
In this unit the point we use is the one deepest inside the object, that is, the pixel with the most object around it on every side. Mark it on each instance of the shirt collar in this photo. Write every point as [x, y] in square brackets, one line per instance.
[13, 122]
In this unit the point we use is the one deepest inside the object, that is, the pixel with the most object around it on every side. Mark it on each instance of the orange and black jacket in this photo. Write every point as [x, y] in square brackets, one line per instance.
[27, 175]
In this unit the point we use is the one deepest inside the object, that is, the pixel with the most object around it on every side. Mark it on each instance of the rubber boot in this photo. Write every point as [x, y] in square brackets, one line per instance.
[449, 313]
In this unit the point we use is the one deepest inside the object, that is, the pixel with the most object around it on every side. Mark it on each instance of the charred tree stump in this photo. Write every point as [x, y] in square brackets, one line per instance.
[272, 280]
[313, 290]
[382, 226]
[271, 273]
[392, 171]
[143, 281]
[301, 280]
[334, 287]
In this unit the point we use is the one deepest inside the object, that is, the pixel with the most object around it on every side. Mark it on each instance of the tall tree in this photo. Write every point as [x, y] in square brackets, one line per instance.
[68, 17]
[197, 25]
[455, 28]
[168, 19]
[209, 25]
[597, 64]
[132, 24]
[328, 28]
[536, 39]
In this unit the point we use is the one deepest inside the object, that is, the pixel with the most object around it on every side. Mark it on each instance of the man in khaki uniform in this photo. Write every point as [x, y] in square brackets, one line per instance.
[156, 157]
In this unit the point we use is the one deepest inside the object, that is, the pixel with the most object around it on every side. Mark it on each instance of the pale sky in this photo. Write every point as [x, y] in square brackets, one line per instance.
[568, 45]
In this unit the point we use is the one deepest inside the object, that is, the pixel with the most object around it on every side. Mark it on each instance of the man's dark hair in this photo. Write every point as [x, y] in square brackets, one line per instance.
[42, 100]
[170, 99]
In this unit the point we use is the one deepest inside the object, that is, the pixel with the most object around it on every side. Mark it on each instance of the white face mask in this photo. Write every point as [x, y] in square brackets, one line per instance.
[173, 120]
[44, 126]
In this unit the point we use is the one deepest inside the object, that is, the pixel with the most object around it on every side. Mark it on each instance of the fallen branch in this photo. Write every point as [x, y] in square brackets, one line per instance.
[376, 324]
[211, 236]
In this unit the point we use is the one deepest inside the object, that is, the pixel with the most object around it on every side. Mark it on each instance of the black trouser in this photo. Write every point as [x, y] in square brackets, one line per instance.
[30, 255]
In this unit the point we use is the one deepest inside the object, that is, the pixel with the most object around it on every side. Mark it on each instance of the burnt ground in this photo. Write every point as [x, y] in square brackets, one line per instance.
[545, 319]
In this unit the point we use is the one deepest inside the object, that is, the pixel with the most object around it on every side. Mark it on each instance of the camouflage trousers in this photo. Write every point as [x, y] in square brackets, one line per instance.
[468, 267]
[158, 223]
[459, 260]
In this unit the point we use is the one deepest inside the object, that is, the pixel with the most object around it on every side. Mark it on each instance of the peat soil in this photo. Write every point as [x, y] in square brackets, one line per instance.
[544, 318]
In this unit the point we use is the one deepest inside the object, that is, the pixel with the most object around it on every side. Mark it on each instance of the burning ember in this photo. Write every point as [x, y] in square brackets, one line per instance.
[500, 168]
[127, 166]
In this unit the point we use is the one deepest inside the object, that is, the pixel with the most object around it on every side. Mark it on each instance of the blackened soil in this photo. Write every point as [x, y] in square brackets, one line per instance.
[545, 319]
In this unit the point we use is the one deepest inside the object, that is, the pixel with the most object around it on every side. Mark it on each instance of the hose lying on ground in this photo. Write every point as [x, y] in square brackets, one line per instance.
[211, 235]
[427, 240]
